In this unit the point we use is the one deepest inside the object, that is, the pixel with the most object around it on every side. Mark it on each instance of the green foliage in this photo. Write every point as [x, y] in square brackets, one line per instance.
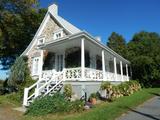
[48, 104]
[143, 52]
[113, 110]
[19, 72]
[19, 77]
[129, 87]
[76, 106]
[93, 95]
[1, 83]
[124, 89]
[68, 90]
[19, 20]
[54, 104]
[17, 97]
[117, 43]
[105, 85]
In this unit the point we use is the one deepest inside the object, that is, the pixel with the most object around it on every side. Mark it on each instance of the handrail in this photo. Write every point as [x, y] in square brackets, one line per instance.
[30, 96]
[53, 87]
[48, 82]
[33, 85]
[37, 90]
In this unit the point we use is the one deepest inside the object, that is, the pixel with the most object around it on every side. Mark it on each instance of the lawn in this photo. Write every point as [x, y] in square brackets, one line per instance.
[105, 111]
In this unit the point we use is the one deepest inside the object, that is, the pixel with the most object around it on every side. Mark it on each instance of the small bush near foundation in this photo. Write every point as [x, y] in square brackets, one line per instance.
[123, 89]
[54, 104]
[106, 85]
[76, 106]
[68, 90]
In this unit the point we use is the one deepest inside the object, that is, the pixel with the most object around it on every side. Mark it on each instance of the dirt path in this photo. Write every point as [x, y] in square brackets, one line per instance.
[7, 113]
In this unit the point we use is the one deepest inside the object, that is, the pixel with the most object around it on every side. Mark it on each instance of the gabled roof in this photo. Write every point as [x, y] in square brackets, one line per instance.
[66, 25]
[52, 13]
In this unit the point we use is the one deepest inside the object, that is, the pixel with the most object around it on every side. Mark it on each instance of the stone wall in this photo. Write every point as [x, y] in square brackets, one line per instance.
[51, 26]
[47, 32]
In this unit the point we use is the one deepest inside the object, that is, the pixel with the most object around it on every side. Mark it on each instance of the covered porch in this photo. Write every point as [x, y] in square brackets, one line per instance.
[81, 59]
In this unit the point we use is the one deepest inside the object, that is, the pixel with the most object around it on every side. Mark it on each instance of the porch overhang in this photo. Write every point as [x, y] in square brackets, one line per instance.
[74, 40]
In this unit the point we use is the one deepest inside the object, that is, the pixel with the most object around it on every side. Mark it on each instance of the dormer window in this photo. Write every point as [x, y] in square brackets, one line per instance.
[41, 40]
[58, 34]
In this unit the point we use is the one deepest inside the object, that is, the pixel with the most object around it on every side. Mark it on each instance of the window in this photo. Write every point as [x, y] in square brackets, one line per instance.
[35, 66]
[40, 41]
[58, 34]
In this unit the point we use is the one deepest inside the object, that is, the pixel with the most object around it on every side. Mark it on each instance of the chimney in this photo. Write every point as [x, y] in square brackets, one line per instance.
[53, 9]
[98, 38]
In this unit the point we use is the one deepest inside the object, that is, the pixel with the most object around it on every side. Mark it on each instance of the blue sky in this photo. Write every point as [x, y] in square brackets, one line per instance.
[102, 17]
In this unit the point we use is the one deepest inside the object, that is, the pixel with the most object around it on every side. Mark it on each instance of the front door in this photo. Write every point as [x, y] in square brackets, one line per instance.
[35, 66]
[59, 62]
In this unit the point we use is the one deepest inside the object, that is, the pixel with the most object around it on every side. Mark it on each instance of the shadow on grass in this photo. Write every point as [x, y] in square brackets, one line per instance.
[141, 113]
[156, 94]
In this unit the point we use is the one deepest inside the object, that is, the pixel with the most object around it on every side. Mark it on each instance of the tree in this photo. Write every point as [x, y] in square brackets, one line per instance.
[143, 52]
[19, 20]
[117, 43]
[19, 71]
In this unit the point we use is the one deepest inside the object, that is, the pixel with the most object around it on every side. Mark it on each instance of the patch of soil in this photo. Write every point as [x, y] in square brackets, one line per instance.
[7, 113]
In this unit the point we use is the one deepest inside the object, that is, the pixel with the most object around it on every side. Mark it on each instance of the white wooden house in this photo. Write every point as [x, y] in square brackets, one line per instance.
[61, 53]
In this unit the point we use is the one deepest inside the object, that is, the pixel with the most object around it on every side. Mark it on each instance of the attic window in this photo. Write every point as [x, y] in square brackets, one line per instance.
[41, 40]
[58, 34]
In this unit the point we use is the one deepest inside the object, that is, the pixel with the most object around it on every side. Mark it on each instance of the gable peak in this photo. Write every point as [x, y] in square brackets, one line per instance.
[53, 9]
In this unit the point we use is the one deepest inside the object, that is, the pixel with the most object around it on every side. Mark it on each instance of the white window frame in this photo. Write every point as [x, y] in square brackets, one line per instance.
[58, 34]
[36, 66]
[41, 39]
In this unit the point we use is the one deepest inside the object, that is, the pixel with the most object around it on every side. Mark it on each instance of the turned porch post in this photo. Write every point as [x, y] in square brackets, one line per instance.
[127, 72]
[103, 66]
[115, 68]
[121, 66]
[82, 59]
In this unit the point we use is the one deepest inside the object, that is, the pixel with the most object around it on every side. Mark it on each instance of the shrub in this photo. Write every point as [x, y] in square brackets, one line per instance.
[19, 72]
[54, 104]
[1, 83]
[68, 90]
[77, 106]
[18, 79]
[106, 85]
[129, 87]
[124, 89]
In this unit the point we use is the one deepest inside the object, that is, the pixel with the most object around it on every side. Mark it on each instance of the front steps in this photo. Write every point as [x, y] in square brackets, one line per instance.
[42, 89]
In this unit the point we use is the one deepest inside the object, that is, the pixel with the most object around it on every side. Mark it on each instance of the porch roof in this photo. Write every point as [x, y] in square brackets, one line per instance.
[81, 35]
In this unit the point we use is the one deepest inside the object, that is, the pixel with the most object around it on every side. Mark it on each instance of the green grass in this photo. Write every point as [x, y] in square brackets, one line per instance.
[105, 111]
[10, 99]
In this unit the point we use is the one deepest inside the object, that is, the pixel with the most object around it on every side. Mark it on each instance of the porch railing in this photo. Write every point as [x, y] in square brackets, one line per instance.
[90, 74]
[93, 74]
[73, 73]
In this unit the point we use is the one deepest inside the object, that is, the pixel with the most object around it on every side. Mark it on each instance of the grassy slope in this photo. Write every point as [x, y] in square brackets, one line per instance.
[105, 111]
[10, 99]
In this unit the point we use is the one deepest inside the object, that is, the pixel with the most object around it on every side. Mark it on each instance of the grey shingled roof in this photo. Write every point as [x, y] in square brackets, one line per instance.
[66, 25]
